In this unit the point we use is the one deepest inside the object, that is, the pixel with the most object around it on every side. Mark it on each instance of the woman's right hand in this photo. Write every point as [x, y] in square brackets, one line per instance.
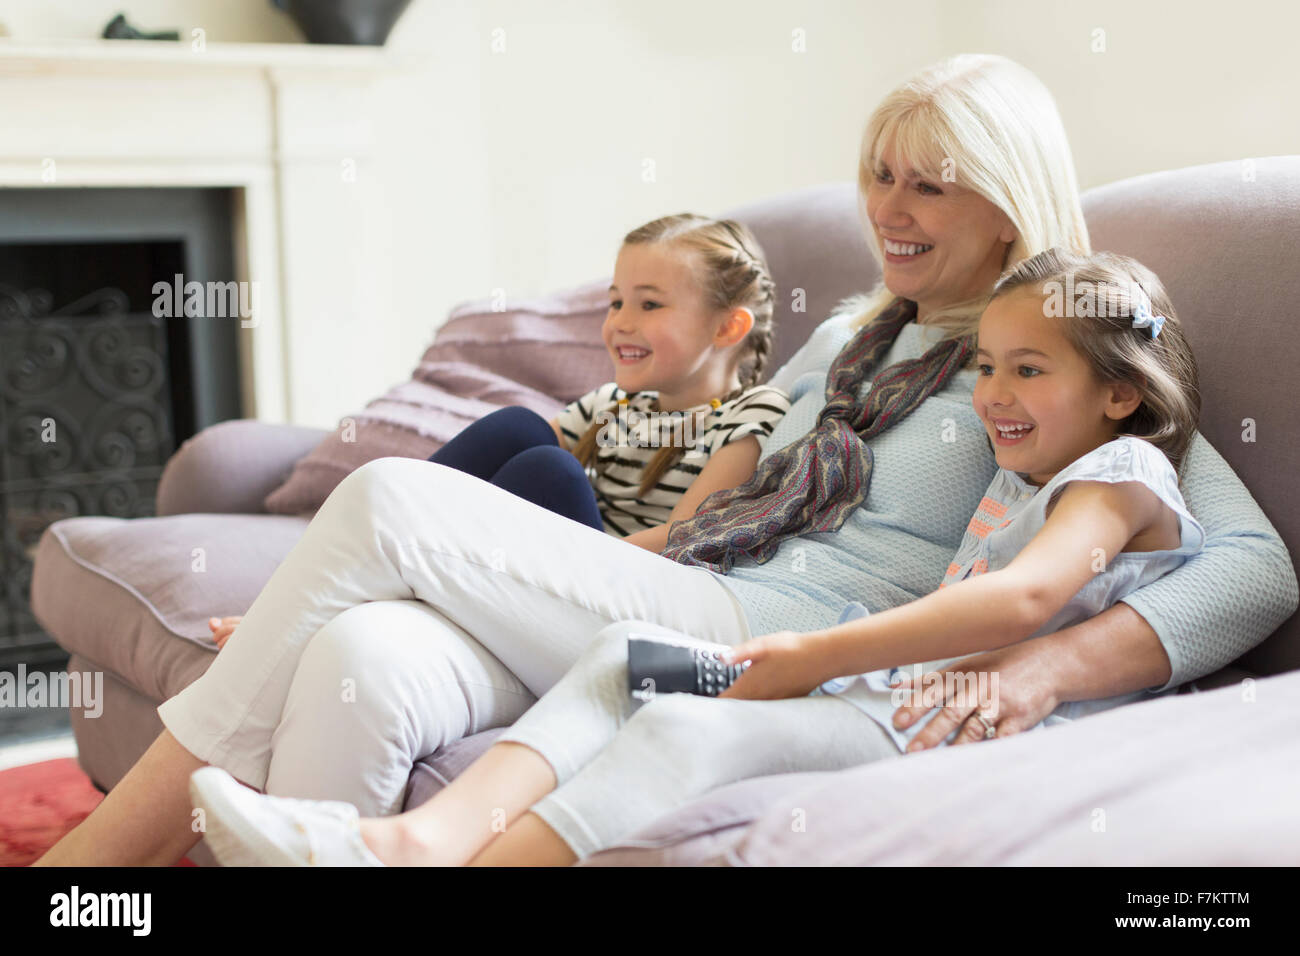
[222, 628]
[1024, 681]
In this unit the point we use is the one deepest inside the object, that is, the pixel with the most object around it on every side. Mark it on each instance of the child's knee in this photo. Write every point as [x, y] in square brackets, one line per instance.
[542, 472]
[609, 646]
[515, 422]
[613, 638]
[676, 720]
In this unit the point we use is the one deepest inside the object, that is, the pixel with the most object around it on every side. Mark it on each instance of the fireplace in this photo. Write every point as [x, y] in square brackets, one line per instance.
[125, 165]
[98, 384]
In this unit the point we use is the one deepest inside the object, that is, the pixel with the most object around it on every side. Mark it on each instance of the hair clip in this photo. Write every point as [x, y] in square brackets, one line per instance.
[1143, 318]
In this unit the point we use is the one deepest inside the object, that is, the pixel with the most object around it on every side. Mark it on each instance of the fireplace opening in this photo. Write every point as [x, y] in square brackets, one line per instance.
[98, 384]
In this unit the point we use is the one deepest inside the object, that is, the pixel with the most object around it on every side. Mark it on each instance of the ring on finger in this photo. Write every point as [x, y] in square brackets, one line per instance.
[990, 729]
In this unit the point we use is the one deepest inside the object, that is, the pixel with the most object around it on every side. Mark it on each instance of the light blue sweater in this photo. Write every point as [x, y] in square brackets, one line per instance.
[930, 472]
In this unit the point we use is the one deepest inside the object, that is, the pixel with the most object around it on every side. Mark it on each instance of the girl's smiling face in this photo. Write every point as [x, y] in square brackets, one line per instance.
[1042, 404]
[661, 334]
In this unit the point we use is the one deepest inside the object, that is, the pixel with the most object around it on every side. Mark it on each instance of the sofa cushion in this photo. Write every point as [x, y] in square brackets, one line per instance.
[541, 354]
[437, 770]
[704, 830]
[231, 467]
[134, 596]
[1166, 782]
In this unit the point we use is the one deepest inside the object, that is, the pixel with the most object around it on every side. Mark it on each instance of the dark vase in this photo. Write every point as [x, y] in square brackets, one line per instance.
[360, 22]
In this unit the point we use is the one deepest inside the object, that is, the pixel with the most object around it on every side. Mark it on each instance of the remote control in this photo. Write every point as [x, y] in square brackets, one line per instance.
[657, 665]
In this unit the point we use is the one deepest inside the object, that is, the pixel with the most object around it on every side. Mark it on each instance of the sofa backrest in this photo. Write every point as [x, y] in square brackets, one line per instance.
[817, 255]
[1222, 238]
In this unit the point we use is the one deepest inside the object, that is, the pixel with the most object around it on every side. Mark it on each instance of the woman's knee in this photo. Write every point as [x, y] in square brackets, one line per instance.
[383, 492]
[350, 672]
[372, 481]
[402, 669]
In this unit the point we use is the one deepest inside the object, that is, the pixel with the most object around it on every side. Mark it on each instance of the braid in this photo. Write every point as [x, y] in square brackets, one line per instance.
[760, 352]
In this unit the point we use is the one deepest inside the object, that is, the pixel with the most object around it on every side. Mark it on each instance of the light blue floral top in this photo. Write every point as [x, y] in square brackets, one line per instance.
[1010, 514]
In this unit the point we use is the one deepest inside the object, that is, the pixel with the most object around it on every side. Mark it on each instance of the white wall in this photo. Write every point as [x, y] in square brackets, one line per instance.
[1181, 82]
[522, 169]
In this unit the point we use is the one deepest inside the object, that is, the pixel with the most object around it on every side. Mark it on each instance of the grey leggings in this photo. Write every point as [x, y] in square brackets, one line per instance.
[620, 763]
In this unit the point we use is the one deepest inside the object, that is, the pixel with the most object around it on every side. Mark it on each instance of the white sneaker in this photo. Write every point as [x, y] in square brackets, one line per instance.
[246, 828]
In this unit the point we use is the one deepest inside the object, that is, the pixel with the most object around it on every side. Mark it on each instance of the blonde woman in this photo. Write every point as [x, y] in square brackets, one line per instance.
[450, 622]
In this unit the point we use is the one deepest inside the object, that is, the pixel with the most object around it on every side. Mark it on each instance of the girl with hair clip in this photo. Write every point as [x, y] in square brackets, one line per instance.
[689, 329]
[1088, 393]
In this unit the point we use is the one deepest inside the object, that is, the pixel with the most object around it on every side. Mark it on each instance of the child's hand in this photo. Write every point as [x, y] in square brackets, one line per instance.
[785, 664]
[222, 628]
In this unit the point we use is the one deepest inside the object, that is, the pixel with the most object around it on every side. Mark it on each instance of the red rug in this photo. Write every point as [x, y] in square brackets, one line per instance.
[39, 803]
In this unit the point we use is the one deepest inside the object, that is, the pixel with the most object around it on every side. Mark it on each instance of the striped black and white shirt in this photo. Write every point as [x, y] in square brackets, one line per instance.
[632, 432]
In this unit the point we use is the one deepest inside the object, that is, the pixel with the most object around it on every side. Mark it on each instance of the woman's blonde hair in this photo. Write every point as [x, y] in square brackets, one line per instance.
[731, 272]
[991, 126]
[1096, 298]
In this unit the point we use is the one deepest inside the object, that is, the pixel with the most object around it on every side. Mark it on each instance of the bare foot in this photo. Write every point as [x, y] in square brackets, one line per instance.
[222, 628]
[397, 843]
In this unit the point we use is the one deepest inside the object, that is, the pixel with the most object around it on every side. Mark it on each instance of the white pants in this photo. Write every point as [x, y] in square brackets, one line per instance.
[421, 605]
[620, 765]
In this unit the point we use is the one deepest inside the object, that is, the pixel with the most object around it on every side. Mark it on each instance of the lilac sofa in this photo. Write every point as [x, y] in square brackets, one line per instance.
[120, 595]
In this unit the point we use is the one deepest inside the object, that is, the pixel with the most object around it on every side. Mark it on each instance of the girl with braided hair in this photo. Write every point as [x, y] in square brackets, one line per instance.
[689, 330]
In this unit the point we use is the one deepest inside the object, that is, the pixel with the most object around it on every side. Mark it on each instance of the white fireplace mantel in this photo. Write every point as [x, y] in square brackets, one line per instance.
[283, 125]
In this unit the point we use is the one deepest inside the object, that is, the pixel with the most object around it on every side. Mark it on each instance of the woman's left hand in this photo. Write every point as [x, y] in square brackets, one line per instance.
[1026, 693]
[784, 664]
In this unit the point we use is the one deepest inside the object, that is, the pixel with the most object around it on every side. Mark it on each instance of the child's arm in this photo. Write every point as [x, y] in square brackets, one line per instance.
[1091, 523]
[731, 465]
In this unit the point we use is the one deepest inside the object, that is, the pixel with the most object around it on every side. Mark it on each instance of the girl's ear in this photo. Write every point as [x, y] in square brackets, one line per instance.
[734, 328]
[1123, 400]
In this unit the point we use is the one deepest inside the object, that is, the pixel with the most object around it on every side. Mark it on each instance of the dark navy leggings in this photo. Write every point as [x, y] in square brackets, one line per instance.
[514, 448]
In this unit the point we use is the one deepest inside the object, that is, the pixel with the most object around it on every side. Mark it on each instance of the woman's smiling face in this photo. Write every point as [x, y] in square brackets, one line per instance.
[940, 243]
[1042, 405]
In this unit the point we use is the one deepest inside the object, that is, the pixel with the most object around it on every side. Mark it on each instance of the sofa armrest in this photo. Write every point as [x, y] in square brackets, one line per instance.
[229, 467]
